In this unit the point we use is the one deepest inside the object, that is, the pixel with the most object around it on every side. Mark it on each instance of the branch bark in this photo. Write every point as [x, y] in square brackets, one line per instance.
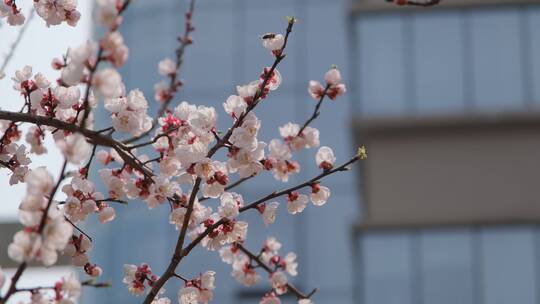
[93, 136]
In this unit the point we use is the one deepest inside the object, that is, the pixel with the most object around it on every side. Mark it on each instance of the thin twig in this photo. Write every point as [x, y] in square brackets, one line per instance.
[258, 95]
[113, 200]
[89, 283]
[78, 229]
[51, 197]
[180, 277]
[154, 140]
[87, 167]
[177, 256]
[316, 111]
[416, 3]
[12, 289]
[299, 295]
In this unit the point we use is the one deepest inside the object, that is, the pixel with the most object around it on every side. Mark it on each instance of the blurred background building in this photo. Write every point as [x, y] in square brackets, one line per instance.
[444, 209]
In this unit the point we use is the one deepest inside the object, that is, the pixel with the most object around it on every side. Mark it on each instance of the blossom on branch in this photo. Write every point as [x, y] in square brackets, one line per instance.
[178, 159]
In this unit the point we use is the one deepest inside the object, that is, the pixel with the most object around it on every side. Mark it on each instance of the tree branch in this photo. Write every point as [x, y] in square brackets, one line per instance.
[210, 229]
[12, 289]
[258, 95]
[178, 252]
[316, 111]
[93, 136]
[177, 256]
[299, 295]
[89, 283]
[416, 3]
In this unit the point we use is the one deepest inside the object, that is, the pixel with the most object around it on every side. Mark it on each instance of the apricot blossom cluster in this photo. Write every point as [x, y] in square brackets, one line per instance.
[168, 160]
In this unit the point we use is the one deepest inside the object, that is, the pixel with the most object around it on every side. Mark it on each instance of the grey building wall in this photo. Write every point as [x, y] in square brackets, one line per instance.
[407, 65]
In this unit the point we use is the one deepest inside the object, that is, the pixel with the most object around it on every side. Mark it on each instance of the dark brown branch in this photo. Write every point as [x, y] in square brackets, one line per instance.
[77, 228]
[87, 167]
[112, 200]
[316, 111]
[89, 283]
[424, 4]
[299, 295]
[177, 256]
[156, 159]
[93, 136]
[180, 277]
[106, 129]
[416, 3]
[51, 197]
[12, 289]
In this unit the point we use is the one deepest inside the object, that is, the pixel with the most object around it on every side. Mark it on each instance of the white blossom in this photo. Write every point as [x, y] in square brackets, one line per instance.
[230, 204]
[74, 147]
[296, 203]
[278, 280]
[325, 158]
[269, 213]
[270, 298]
[273, 42]
[319, 194]
[333, 76]
[55, 12]
[167, 67]
[129, 114]
[108, 83]
[234, 106]
[11, 13]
